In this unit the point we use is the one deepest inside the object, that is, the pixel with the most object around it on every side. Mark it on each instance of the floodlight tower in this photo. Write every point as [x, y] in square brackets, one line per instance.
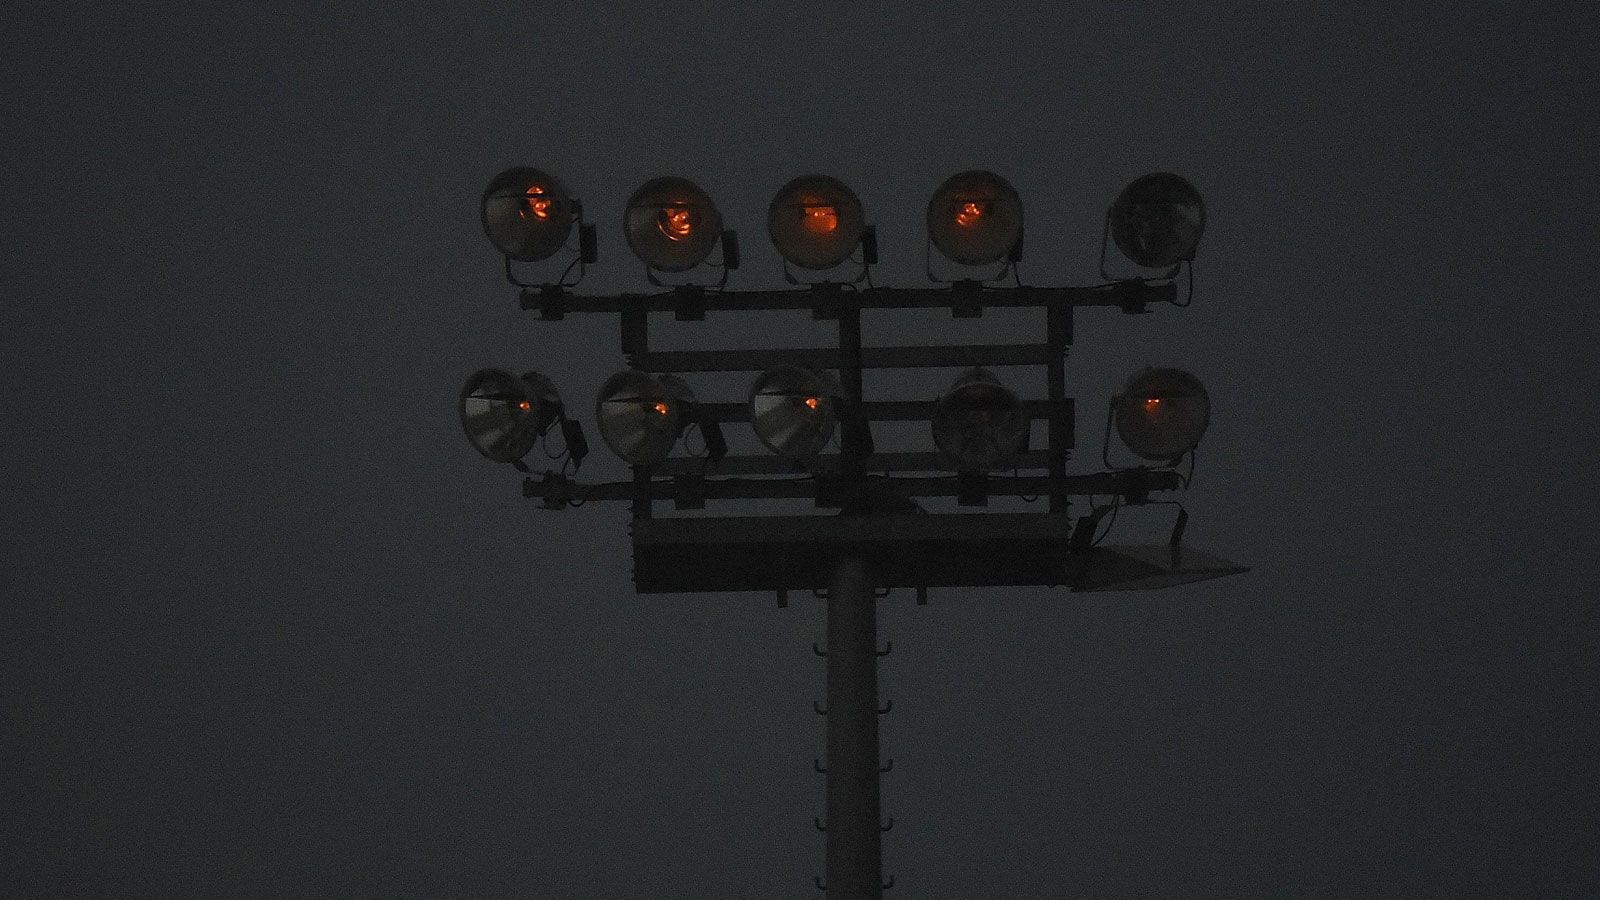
[802, 399]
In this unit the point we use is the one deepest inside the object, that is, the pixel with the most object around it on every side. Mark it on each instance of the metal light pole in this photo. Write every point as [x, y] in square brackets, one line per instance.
[855, 850]
[881, 539]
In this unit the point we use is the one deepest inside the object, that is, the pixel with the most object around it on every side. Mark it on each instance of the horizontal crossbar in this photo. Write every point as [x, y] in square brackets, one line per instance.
[1126, 294]
[772, 464]
[830, 358]
[1131, 482]
[888, 410]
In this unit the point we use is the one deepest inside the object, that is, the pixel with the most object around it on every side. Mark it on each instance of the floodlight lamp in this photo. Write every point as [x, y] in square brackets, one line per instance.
[671, 224]
[527, 214]
[504, 415]
[640, 417]
[1162, 413]
[975, 218]
[794, 410]
[1157, 220]
[979, 425]
[815, 221]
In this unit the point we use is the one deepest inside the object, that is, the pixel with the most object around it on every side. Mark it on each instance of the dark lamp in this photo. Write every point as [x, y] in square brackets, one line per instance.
[978, 425]
[1157, 220]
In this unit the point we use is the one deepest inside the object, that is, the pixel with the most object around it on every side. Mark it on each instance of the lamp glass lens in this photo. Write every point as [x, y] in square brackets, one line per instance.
[1157, 220]
[975, 218]
[527, 214]
[1162, 413]
[815, 222]
[638, 417]
[794, 411]
[500, 414]
[979, 425]
[671, 224]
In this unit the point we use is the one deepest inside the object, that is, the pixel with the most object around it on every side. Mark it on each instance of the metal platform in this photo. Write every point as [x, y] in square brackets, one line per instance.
[771, 553]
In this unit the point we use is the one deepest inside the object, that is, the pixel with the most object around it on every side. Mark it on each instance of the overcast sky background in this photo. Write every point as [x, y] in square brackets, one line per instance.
[268, 626]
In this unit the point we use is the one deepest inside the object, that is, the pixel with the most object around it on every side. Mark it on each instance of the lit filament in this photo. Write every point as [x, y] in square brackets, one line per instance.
[969, 214]
[524, 405]
[1152, 405]
[813, 402]
[818, 217]
[661, 408]
[676, 222]
[538, 202]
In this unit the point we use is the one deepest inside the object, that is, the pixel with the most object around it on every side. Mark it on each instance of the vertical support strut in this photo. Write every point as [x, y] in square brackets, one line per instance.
[854, 841]
[635, 327]
[1058, 335]
[852, 453]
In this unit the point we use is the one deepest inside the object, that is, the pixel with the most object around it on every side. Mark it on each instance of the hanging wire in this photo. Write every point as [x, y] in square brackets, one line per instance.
[1105, 441]
[544, 440]
[1116, 506]
[568, 270]
[1188, 294]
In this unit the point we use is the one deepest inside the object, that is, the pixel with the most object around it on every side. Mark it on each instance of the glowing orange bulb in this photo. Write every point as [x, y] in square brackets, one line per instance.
[813, 402]
[969, 214]
[538, 202]
[661, 408]
[676, 222]
[818, 216]
[1152, 404]
[524, 405]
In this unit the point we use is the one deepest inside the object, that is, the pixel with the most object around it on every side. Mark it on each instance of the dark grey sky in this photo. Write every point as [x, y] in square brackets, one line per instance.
[269, 627]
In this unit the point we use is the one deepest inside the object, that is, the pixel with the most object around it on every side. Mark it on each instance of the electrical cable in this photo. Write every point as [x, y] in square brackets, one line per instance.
[1116, 506]
[544, 440]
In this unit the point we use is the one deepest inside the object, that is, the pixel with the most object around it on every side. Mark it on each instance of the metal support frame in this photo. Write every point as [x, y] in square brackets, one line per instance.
[881, 540]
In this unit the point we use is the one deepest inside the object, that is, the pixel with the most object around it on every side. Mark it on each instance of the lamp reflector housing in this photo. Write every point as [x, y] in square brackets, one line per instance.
[1162, 413]
[1157, 220]
[794, 410]
[527, 214]
[504, 415]
[979, 424]
[671, 224]
[639, 417]
[975, 218]
[815, 222]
